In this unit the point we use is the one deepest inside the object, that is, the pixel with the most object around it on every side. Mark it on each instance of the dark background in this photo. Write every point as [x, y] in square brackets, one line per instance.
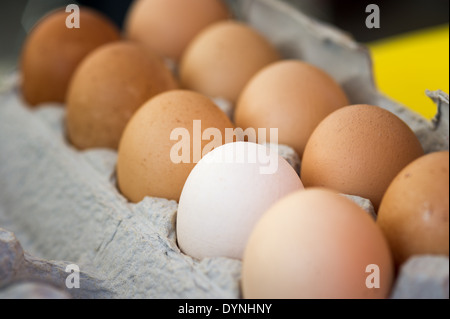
[397, 17]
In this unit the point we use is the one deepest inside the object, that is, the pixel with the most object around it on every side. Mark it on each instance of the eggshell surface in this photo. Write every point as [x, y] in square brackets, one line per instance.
[163, 142]
[52, 52]
[414, 212]
[358, 150]
[316, 244]
[223, 58]
[168, 26]
[292, 96]
[226, 194]
[110, 85]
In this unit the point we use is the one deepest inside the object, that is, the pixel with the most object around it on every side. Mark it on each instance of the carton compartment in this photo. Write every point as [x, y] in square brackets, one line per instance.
[62, 206]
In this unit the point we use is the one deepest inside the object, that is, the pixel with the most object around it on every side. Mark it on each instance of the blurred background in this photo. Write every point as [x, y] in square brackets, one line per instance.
[412, 41]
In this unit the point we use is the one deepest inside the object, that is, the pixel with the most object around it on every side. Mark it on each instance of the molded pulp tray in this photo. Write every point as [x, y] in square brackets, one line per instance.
[63, 206]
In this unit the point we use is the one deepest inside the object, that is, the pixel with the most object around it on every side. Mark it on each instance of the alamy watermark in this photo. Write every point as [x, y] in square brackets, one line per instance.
[73, 279]
[73, 19]
[181, 150]
[373, 21]
[373, 280]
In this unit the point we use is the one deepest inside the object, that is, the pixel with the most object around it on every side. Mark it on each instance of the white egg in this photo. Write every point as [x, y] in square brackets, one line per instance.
[226, 194]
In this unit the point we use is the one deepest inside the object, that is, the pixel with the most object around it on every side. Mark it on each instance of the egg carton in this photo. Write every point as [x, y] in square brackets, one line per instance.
[60, 207]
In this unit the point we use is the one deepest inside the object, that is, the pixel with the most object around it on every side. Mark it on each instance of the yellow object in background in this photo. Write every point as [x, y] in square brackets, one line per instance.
[406, 66]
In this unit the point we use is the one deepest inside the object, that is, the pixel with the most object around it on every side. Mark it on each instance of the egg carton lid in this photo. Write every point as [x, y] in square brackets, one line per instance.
[64, 207]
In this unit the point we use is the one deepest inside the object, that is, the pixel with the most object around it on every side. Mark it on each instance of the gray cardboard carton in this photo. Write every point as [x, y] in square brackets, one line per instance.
[60, 207]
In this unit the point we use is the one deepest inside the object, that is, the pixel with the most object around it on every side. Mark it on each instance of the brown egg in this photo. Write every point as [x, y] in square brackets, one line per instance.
[414, 212]
[358, 150]
[316, 244]
[223, 58]
[293, 97]
[167, 26]
[108, 88]
[52, 52]
[149, 162]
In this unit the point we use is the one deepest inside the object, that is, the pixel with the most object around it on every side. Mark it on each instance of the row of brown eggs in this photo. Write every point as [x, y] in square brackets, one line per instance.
[120, 94]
